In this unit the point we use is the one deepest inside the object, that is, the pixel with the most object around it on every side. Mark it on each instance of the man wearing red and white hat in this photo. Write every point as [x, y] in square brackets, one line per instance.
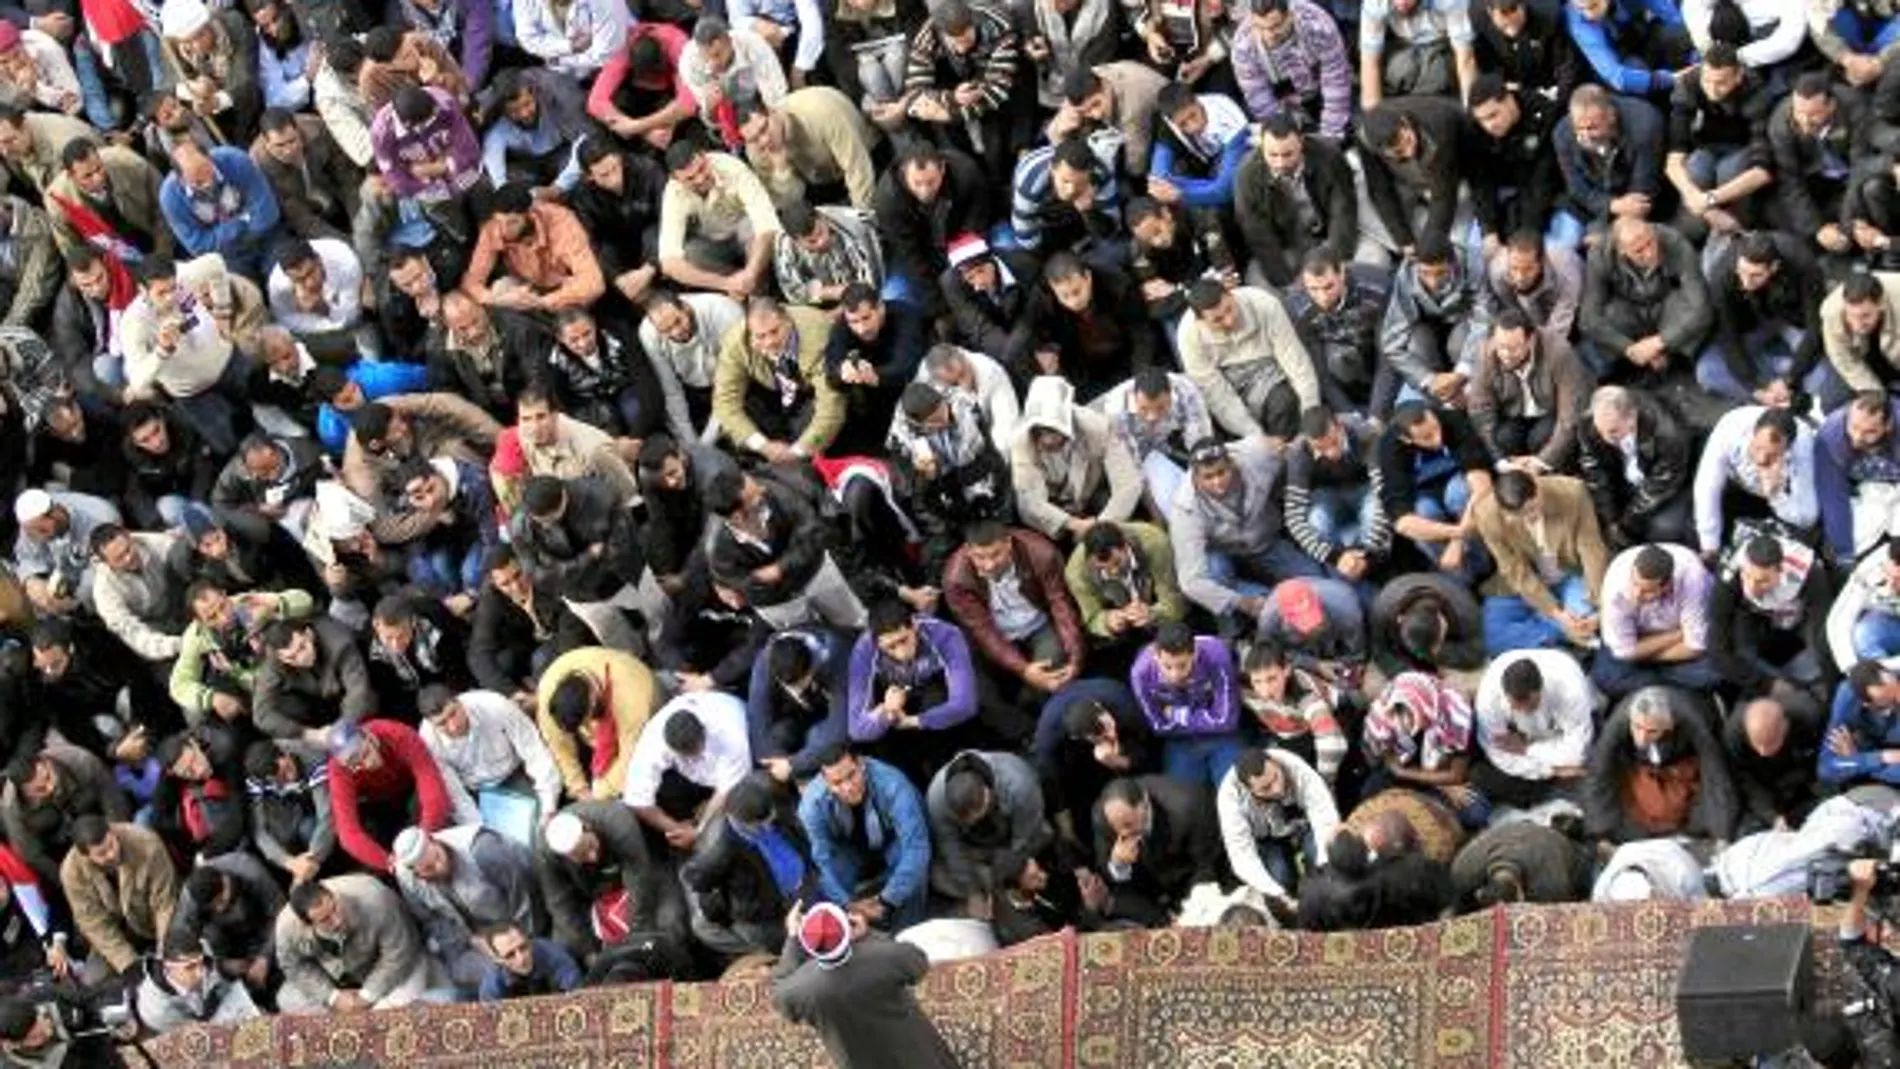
[855, 989]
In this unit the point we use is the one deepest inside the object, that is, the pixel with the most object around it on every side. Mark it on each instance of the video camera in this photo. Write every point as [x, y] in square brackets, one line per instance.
[1828, 882]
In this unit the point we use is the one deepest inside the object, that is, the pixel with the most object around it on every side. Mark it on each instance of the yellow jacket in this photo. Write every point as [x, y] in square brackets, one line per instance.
[632, 693]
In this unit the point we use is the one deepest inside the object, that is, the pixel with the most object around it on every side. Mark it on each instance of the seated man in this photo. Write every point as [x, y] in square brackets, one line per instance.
[1758, 463]
[533, 125]
[1634, 48]
[871, 353]
[452, 497]
[1768, 616]
[604, 892]
[1543, 534]
[1005, 588]
[980, 805]
[377, 773]
[1766, 346]
[1084, 322]
[771, 392]
[1335, 499]
[949, 468]
[1277, 817]
[542, 249]
[138, 589]
[798, 700]
[519, 628]
[458, 881]
[1070, 471]
[1524, 862]
[575, 540]
[723, 67]
[591, 705]
[618, 200]
[1863, 729]
[1528, 396]
[686, 331]
[1860, 331]
[489, 353]
[1418, 734]
[1321, 624]
[521, 966]
[1200, 142]
[1609, 150]
[985, 290]
[1155, 840]
[824, 250]
[717, 223]
[1773, 746]
[1187, 690]
[688, 756]
[347, 945]
[812, 146]
[316, 293]
[489, 746]
[1536, 718]
[1718, 149]
[869, 838]
[913, 690]
[1240, 348]
[1338, 308]
[767, 543]
[119, 882]
[1658, 771]
[1646, 309]
[1415, 51]
[1169, 250]
[1436, 470]
[1065, 195]
[317, 186]
[314, 677]
[1635, 453]
[181, 986]
[173, 349]
[1297, 195]
[1227, 529]
[1507, 158]
[1655, 629]
[1437, 322]
[575, 40]
[218, 201]
[1864, 622]
[44, 793]
[1540, 280]
[1122, 578]
[1857, 473]
[747, 871]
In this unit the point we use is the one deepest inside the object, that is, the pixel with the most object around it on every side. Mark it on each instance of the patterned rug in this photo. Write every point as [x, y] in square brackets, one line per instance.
[1532, 987]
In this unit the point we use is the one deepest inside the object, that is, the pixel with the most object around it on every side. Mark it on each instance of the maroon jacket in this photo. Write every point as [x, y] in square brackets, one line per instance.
[1039, 563]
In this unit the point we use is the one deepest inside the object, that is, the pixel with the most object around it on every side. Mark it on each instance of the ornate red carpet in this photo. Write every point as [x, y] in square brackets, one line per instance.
[1536, 988]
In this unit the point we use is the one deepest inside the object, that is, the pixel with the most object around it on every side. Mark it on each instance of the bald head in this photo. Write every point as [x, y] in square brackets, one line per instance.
[193, 166]
[1765, 724]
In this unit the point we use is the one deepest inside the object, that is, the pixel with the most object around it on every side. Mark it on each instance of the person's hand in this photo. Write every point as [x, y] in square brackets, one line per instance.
[778, 452]
[1191, 71]
[1159, 49]
[778, 768]
[1109, 754]
[769, 575]
[1447, 386]
[1862, 872]
[1094, 890]
[1509, 741]
[1890, 757]
[1138, 613]
[1721, 220]
[1049, 358]
[168, 333]
[1068, 119]
[227, 707]
[923, 599]
[1454, 556]
[335, 575]
[1250, 606]
[1841, 742]
[135, 747]
[1163, 190]
[1352, 564]
[1578, 629]
[1634, 205]
[1047, 677]
[872, 909]
[1127, 850]
[1157, 289]
[968, 94]
[1037, 47]
[1459, 795]
[895, 700]
[59, 962]
[349, 1002]
[257, 973]
[303, 868]
[795, 918]
[1861, 70]
[681, 836]
[1568, 771]
[1868, 238]
[930, 109]
[1832, 238]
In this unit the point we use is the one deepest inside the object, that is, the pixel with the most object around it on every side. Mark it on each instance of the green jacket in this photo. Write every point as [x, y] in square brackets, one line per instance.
[201, 659]
[1157, 555]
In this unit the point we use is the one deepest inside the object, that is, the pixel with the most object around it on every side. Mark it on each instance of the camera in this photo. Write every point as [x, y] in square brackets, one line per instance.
[1828, 881]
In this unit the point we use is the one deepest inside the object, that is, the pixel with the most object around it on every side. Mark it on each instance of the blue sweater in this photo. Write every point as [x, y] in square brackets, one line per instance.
[1872, 732]
[906, 843]
[248, 225]
[377, 379]
[1832, 487]
[1623, 74]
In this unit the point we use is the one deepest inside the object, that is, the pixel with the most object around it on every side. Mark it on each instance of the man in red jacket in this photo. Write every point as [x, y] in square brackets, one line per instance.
[376, 769]
[1005, 587]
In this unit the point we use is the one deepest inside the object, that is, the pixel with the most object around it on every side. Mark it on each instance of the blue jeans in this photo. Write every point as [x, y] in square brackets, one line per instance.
[1616, 677]
[1444, 502]
[1876, 636]
[1868, 38]
[1511, 624]
[1342, 514]
[1565, 229]
[1199, 758]
[442, 572]
[899, 288]
[90, 71]
[1712, 169]
[1771, 352]
[1277, 855]
[1253, 576]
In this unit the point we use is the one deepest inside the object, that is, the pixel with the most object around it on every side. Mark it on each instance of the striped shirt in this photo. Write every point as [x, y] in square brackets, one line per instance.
[1033, 205]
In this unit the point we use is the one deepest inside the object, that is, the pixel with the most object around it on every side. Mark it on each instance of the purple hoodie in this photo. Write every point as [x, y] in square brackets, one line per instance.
[1207, 704]
[943, 653]
[446, 134]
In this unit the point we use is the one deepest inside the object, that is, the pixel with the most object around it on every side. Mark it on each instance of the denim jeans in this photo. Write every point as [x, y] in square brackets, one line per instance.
[1254, 575]
[1444, 502]
[1876, 636]
[1199, 758]
[441, 571]
[89, 68]
[1511, 624]
[1616, 677]
[1342, 514]
[1771, 352]
[1868, 37]
[1277, 855]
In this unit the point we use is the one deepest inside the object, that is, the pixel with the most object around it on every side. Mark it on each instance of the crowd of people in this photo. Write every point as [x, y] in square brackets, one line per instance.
[513, 495]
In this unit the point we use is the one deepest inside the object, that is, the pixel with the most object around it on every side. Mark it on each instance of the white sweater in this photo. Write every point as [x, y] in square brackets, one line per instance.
[1244, 821]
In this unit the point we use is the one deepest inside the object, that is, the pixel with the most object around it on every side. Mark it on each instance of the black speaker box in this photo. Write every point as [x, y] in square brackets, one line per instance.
[1744, 990]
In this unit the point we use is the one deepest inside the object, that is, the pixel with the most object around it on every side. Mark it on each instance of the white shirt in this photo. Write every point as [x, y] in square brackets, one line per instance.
[600, 24]
[500, 739]
[1785, 20]
[1558, 732]
[342, 291]
[995, 394]
[722, 762]
[1725, 462]
[1244, 821]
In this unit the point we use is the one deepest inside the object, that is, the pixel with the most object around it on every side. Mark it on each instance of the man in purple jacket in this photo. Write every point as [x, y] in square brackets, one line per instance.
[913, 696]
[425, 149]
[1187, 690]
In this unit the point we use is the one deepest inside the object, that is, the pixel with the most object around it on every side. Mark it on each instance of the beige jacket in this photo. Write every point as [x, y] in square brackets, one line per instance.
[122, 912]
[1096, 454]
[442, 425]
[1236, 393]
[1841, 350]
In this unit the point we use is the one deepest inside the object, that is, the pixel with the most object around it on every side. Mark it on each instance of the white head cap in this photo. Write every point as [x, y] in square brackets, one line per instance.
[564, 833]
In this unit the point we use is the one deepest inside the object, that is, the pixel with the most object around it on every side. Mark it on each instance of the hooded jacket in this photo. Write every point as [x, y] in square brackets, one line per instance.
[1051, 489]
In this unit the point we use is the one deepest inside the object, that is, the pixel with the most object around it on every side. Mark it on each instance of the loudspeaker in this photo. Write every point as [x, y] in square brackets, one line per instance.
[1744, 990]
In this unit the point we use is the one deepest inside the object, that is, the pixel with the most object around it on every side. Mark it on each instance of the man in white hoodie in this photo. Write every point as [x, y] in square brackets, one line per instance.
[1070, 468]
[1275, 809]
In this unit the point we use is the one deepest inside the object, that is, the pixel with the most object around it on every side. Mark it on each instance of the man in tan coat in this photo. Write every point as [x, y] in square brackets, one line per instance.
[796, 419]
[122, 888]
[1542, 531]
[1860, 330]
[1071, 471]
[385, 435]
[107, 181]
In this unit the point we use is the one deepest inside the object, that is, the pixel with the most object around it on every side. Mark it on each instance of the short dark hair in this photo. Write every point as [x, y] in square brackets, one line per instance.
[1174, 98]
[88, 830]
[1779, 420]
[1316, 422]
[684, 733]
[954, 18]
[414, 105]
[395, 609]
[1250, 763]
[1062, 266]
[798, 219]
[1280, 124]
[104, 535]
[79, 148]
[325, 381]
[1124, 789]
[1513, 489]
[1434, 248]
[1721, 55]
[371, 422]
[275, 119]
[1103, 539]
[1522, 680]
[985, 533]
[542, 494]
[305, 896]
[724, 493]
[1486, 88]
[204, 885]
[1206, 294]
[1074, 153]
[1080, 84]
[572, 702]
[1861, 288]
[1763, 551]
[1813, 84]
[681, 154]
[1653, 563]
[964, 791]
[858, 294]
[432, 699]
[750, 800]
[1407, 415]
[789, 660]
[1175, 637]
[886, 616]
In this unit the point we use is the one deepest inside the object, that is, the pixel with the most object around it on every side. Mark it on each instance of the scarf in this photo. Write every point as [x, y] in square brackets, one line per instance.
[113, 249]
[1447, 721]
[606, 742]
[201, 805]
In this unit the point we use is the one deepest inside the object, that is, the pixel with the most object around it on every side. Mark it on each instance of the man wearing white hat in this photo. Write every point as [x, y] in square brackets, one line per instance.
[458, 881]
[53, 553]
[212, 56]
[600, 885]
